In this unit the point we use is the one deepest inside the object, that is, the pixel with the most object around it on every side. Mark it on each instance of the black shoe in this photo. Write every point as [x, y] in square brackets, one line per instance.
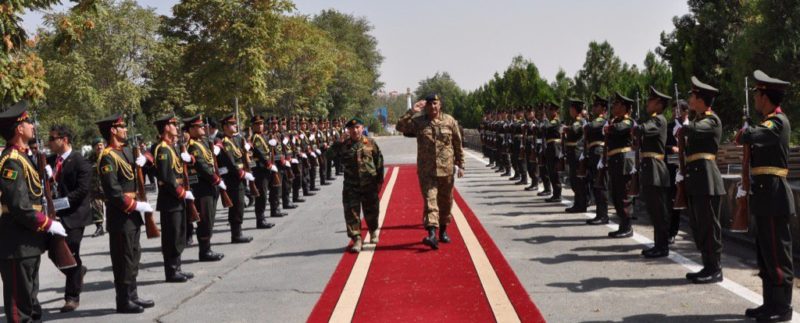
[573, 209]
[521, 182]
[309, 194]
[532, 188]
[289, 206]
[710, 278]
[505, 174]
[98, 232]
[325, 184]
[443, 236]
[177, 278]
[241, 239]
[691, 276]
[145, 303]
[621, 233]
[263, 224]
[553, 199]
[655, 253]
[598, 221]
[775, 315]
[278, 214]
[129, 308]
[755, 312]
[671, 240]
[545, 193]
[430, 240]
[186, 274]
[299, 200]
[209, 256]
[314, 189]
[514, 178]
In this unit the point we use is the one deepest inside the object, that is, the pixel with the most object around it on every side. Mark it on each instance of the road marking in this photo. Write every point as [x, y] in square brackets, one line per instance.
[726, 283]
[348, 299]
[495, 293]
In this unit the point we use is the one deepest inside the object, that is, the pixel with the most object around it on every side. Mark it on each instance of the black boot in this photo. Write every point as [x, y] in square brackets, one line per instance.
[261, 223]
[430, 240]
[134, 297]
[276, 213]
[533, 187]
[516, 177]
[171, 271]
[99, 231]
[236, 234]
[187, 274]
[597, 220]
[206, 255]
[546, 192]
[287, 204]
[624, 230]
[443, 236]
[124, 304]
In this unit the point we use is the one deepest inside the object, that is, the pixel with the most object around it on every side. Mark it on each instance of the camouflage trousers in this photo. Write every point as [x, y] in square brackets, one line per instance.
[97, 211]
[438, 195]
[356, 198]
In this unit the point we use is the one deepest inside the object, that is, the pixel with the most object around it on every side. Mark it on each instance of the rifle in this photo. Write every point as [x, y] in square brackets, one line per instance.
[57, 247]
[151, 228]
[223, 194]
[680, 202]
[633, 185]
[246, 165]
[583, 164]
[193, 214]
[741, 217]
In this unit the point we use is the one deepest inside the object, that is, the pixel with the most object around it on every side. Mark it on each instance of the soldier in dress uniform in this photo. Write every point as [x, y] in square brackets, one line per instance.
[681, 113]
[595, 151]
[172, 197]
[653, 175]
[574, 153]
[205, 184]
[440, 158]
[265, 172]
[282, 159]
[620, 165]
[24, 228]
[704, 187]
[552, 150]
[531, 159]
[363, 176]
[517, 158]
[123, 213]
[771, 199]
[541, 144]
[231, 168]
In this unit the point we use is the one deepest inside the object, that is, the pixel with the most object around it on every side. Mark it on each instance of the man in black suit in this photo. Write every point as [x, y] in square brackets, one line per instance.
[72, 176]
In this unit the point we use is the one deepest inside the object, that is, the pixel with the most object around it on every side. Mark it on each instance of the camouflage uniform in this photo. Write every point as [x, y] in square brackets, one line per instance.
[362, 163]
[438, 151]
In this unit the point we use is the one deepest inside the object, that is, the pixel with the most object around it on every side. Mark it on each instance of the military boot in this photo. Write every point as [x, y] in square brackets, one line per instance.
[597, 220]
[624, 230]
[134, 297]
[236, 234]
[124, 304]
[430, 240]
[171, 271]
[443, 237]
[287, 203]
[206, 255]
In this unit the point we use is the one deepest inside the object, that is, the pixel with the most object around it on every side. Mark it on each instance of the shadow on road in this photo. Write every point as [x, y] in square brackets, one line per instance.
[597, 283]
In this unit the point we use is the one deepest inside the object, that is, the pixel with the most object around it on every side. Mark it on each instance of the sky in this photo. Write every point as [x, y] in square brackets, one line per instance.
[473, 39]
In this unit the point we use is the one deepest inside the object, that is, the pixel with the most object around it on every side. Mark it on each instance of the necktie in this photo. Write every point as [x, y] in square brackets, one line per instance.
[59, 162]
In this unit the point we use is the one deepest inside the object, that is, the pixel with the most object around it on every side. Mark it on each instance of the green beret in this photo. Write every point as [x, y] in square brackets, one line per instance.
[354, 122]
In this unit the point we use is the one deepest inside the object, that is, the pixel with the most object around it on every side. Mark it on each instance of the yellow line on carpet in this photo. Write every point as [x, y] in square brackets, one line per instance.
[348, 300]
[495, 293]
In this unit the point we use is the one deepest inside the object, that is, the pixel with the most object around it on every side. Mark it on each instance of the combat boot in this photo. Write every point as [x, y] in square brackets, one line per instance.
[134, 297]
[357, 244]
[546, 192]
[236, 234]
[124, 304]
[430, 240]
[597, 220]
[206, 255]
[443, 236]
[516, 177]
[533, 187]
[624, 230]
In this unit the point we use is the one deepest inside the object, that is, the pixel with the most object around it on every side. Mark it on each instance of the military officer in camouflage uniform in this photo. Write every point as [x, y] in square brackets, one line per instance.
[96, 191]
[172, 197]
[771, 200]
[654, 175]
[205, 184]
[123, 213]
[594, 152]
[363, 176]
[24, 228]
[704, 187]
[231, 168]
[574, 153]
[439, 158]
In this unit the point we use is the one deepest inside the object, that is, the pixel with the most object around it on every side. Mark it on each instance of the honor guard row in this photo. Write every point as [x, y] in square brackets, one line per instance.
[614, 152]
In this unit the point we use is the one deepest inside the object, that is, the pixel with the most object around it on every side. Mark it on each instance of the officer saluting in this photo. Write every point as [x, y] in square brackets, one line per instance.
[704, 185]
[123, 212]
[654, 175]
[772, 198]
[23, 226]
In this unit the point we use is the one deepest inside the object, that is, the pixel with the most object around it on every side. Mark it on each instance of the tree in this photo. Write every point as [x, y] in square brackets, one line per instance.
[442, 84]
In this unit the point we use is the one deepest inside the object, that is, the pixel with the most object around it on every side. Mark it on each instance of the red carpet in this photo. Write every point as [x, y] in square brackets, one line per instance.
[408, 282]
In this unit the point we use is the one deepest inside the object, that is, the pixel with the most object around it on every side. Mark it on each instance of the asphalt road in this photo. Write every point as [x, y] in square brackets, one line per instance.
[572, 271]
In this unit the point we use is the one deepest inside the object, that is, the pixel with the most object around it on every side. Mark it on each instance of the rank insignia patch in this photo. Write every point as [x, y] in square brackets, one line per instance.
[10, 174]
[106, 169]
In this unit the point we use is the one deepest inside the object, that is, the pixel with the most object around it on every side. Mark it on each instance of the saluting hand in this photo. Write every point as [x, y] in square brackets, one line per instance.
[418, 106]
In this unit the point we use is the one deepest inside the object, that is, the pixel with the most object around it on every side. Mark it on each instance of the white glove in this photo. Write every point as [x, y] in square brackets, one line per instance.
[216, 150]
[678, 126]
[285, 141]
[678, 178]
[143, 207]
[286, 163]
[318, 152]
[57, 229]
[273, 142]
[141, 160]
[686, 122]
[222, 186]
[600, 164]
[312, 137]
[582, 157]
[188, 196]
[247, 146]
[186, 157]
[49, 171]
[249, 177]
[302, 136]
[274, 168]
[314, 155]
[295, 161]
[303, 155]
[745, 125]
[740, 192]
[633, 170]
